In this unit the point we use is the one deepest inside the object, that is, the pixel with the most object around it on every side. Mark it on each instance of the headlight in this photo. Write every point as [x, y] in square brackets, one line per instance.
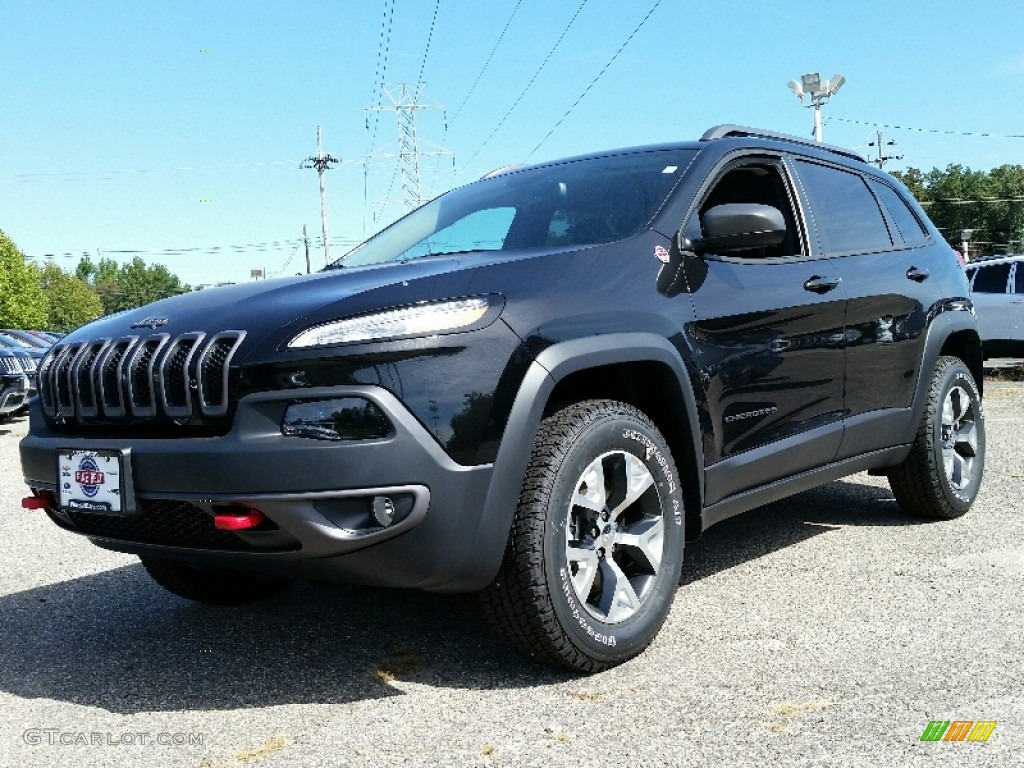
[407, 321]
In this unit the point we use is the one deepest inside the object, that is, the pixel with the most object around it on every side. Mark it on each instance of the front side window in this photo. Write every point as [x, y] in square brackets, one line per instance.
[570, 204]
[754, 181]
[845, 213]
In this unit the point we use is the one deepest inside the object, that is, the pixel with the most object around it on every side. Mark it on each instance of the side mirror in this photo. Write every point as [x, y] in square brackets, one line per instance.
[739, 226]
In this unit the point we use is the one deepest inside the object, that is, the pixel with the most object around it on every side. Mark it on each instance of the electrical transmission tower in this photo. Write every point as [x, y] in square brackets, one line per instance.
[406, 100]
[322, 163]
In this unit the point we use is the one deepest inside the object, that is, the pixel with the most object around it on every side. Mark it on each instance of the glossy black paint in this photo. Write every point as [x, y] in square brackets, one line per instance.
[778, 367]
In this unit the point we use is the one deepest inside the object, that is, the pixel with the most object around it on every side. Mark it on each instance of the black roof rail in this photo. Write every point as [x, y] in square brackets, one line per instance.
[726, 131]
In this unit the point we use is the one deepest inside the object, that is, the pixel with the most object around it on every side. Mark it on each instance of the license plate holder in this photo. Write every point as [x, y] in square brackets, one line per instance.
[95, 480]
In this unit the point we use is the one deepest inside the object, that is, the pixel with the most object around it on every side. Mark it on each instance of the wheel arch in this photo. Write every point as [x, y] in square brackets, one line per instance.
[951, 332]
[645, 370]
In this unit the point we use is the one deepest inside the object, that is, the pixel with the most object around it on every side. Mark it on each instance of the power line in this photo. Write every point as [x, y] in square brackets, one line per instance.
[430, 36]
[486, 63]
[598, 77]
[928, 130]
[379, 75]
[69, 175]
[532, 79]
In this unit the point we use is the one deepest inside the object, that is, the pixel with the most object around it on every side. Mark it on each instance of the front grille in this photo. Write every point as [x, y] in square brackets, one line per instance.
[9, 365]
[168, 522]
[139, 376]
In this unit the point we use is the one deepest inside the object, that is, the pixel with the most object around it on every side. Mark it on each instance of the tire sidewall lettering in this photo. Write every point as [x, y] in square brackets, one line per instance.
[585, 630]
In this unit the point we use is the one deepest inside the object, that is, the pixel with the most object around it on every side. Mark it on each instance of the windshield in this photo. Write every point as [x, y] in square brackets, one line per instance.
[582, 202]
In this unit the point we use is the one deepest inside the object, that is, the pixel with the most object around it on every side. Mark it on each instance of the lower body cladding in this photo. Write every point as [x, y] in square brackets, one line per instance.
[394, 511]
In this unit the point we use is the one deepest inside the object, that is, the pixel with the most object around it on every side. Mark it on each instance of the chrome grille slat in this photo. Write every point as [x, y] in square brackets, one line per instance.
[142, 377]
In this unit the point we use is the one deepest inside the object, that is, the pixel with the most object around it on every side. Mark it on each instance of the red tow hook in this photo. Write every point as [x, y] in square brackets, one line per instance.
[42, 501]
[238, 521]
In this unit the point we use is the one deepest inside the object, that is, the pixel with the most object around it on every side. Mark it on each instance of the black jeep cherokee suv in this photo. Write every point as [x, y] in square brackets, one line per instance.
[537, 386]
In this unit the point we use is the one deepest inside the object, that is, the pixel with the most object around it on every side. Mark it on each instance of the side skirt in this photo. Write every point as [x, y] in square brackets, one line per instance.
[756, 497]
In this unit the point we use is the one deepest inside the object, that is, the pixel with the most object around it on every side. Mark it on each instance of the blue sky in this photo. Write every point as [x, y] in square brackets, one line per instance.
[174, 131]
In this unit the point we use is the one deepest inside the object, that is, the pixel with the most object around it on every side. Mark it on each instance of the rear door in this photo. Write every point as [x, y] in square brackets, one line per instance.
[893, 275]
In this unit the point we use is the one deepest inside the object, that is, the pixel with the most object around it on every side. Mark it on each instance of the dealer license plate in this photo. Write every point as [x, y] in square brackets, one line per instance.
[94, 481]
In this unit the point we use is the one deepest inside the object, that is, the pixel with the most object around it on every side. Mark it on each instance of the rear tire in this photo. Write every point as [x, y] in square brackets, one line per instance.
[596, 546]
[215, 586]
[940, 478]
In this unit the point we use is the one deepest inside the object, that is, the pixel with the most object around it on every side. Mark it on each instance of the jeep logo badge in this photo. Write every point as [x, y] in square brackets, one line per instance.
[150, 322]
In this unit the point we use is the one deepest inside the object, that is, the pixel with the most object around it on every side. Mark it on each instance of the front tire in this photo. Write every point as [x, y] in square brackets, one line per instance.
[596, 547]
[940, 478]
[214, 586]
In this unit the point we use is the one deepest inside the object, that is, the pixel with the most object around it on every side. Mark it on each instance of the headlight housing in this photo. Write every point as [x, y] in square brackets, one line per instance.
[433, 317]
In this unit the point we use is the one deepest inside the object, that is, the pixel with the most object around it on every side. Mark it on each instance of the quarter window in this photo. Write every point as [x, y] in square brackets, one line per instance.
[846, 214]
[908, 228]
[992, 279]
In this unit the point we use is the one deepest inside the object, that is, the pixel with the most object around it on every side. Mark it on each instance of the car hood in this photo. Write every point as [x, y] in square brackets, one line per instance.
[271, 311]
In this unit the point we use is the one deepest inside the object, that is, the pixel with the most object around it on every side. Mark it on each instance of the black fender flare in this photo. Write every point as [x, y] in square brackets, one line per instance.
[549, 367]
[953, 318]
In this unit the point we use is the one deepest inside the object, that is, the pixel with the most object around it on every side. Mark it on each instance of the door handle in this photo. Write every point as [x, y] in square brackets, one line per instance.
[918, 275]
[819, 284]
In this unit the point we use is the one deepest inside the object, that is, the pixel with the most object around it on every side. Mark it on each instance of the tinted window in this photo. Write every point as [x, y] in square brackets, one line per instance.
[908, 228]
[1020, 277]
[760, 183]
[583, 202]
[992, 279]
[845, 212]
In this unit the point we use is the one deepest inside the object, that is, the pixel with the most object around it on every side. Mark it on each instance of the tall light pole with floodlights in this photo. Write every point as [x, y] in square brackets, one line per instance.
[817, 93]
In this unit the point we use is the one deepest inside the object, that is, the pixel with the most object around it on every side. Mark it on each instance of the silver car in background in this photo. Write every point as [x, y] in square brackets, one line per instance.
[997, 289]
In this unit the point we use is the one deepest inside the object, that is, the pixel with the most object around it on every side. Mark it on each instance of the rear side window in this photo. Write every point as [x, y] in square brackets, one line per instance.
[992, 279]
[1020, 278]
[846, 214]
[908, 228]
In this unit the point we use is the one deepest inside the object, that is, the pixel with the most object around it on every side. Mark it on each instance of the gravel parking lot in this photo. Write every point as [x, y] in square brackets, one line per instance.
[827, 629]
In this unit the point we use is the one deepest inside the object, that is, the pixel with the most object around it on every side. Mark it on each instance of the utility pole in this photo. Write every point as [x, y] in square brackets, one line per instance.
[883, 159]
[321, 162]
[406, 100]
[305, 240]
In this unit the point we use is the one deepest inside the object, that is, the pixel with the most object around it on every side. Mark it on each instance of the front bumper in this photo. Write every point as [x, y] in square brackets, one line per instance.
[315, 495]
[14, 392]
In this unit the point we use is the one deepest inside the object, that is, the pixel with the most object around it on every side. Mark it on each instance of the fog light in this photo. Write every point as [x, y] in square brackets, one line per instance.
[343, 418]
[383, 511]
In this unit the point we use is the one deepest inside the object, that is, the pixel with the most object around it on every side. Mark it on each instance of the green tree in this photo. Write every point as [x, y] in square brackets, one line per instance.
[130, 285]
[22, 300]
[72, 302]
[958, 198]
